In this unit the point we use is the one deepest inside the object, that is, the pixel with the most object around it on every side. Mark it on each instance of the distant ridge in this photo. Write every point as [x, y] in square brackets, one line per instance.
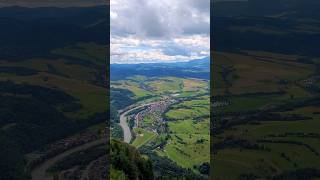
[192, 69]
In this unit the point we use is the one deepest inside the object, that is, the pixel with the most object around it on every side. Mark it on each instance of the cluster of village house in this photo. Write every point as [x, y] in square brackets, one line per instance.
[155, 109]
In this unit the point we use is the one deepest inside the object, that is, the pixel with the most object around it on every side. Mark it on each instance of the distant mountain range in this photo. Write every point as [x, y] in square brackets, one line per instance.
[194, 69]
[281, 26]
[292, 9]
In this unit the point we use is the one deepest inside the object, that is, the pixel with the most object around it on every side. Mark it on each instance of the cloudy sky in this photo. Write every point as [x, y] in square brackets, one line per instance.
[152, 31]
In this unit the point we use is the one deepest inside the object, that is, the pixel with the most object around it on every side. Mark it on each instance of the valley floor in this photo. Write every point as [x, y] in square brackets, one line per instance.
[171, 121]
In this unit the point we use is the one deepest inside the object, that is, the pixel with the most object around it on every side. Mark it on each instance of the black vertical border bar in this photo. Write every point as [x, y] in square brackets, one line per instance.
[107, 75]
[212, 121]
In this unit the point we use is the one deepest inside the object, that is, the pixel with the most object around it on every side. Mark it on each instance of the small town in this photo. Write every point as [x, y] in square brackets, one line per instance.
[155, 110]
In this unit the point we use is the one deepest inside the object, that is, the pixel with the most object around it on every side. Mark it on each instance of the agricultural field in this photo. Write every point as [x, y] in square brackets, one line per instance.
[142, 137]
[132, 86]
[269, 125]
[145, 88]
[189, 132]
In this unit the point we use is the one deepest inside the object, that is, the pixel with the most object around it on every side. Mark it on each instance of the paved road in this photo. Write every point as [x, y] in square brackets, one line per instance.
[39, 172]
[127, 136]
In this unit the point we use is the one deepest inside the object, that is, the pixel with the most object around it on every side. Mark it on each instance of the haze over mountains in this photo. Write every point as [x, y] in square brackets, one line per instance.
[193, 69]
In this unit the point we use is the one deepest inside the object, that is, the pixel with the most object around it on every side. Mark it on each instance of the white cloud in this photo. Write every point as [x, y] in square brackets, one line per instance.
[151, 31]
[113, 15]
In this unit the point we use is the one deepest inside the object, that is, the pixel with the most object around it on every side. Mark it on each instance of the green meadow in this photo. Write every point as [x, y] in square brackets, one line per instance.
[142, 137]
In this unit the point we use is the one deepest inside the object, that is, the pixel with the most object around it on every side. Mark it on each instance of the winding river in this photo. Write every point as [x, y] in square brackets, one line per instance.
[127, 136]
[40, 172]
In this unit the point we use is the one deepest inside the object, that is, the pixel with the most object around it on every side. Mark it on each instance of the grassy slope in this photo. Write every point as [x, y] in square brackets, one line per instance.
[142, 86]
[187, 132]
[143, 137]
[75, 78]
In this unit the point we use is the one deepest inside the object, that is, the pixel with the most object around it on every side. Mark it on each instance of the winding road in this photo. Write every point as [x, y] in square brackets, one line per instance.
[39, 172]
[127, 136]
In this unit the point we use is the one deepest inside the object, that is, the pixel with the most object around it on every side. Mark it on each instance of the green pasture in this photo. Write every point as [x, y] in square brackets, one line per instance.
[195, 153]
[132, 86]
[189, 126]
[142, 137]
[166, 85]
